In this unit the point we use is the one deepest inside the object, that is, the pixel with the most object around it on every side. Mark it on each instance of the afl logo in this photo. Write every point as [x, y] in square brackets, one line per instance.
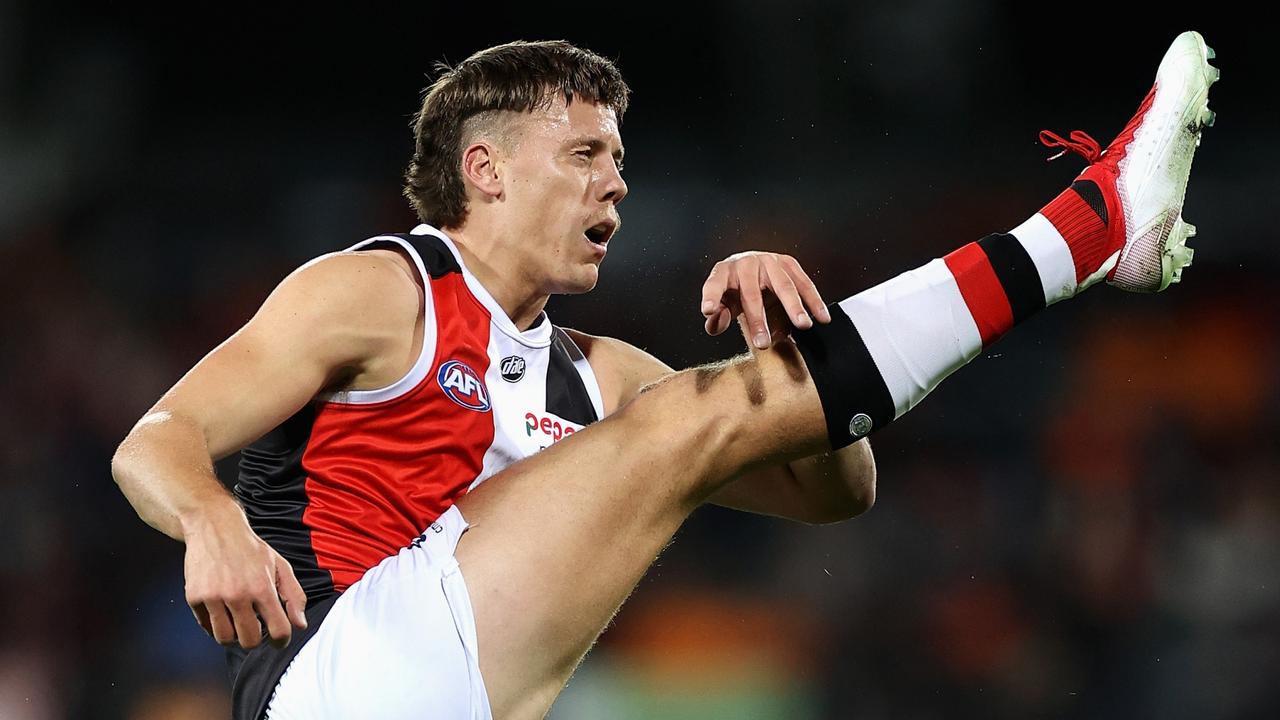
[463, 386]
[512, 368]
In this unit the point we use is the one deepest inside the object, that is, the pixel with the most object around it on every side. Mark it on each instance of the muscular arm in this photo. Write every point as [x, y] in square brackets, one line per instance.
[820, 489]
[334, 321]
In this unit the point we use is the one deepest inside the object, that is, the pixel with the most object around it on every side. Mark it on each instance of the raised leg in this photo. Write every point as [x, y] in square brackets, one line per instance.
[559, 540]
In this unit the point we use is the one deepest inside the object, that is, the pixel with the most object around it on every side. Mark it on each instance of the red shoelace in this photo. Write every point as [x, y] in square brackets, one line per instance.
[1080, 143]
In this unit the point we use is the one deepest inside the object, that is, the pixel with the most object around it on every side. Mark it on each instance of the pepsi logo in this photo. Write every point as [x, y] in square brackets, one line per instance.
[551, 427]
[512, 368]
[463, 386]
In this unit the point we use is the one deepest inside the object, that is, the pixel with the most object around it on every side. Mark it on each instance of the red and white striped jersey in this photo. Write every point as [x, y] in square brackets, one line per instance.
[357, 475]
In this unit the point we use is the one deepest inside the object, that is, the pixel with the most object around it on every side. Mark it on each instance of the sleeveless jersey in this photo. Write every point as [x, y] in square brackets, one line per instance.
[357, 475]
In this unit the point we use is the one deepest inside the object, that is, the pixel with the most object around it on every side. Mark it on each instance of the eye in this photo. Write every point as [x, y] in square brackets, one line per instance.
[584, 153]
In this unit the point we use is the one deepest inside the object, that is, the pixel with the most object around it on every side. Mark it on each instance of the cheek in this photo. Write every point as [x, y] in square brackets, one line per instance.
[528, 189]
[547, 196]
[546, 205]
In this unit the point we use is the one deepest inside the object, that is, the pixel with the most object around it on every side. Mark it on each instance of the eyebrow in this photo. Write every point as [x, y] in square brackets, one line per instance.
[596, 145]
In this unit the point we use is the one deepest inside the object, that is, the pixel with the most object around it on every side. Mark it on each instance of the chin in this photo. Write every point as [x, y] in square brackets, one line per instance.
[583, 280]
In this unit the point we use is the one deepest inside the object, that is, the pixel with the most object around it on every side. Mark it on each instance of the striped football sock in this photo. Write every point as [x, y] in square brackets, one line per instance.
[887, 347]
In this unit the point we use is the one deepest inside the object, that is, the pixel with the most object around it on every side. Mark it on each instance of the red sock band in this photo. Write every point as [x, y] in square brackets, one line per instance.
[1080, 226]
[982, 292]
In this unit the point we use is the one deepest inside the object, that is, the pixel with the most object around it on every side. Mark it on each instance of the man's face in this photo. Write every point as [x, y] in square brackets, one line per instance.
[562, 183]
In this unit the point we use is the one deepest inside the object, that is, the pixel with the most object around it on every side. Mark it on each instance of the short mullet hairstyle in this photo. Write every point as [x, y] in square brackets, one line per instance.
[519, 77]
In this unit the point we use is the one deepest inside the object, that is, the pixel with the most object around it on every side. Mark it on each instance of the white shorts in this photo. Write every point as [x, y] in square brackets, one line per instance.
[399, 643]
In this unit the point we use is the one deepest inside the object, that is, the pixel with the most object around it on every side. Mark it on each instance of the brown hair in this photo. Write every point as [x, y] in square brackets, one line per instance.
[518, 76]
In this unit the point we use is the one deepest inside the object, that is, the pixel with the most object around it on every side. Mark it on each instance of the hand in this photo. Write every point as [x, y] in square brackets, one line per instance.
[234, 578]
[736, 287]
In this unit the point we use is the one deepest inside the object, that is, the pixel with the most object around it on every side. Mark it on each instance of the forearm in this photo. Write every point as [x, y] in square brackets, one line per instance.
[165, 471]
[819, 489]
[837, 485]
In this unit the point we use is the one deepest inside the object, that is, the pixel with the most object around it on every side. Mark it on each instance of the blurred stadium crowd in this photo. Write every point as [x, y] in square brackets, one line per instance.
[1085, 523]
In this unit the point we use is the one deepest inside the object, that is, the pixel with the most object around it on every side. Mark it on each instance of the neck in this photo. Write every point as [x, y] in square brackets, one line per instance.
[502, 273]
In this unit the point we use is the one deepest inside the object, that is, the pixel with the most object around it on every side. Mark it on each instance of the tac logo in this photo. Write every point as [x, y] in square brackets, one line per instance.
[463, 386]
[512, 368]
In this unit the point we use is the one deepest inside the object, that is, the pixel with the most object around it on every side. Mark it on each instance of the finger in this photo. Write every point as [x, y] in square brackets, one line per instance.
[710, 321]
[223, 630]
[272, 613]
[714, 288]
[785, 290]
[248, 627]
[753, 304]
[807, 289]
[202, 617]
[295, 599]
[720, 322]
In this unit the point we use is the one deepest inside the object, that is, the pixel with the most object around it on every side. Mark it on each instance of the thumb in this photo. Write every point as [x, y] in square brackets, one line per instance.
[295, 600]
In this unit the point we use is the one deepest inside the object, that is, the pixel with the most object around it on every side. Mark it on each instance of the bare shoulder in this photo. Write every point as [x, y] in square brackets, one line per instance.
[620, 367]
[349, 309]
[613, 351]
[358, 273]
[370, 287]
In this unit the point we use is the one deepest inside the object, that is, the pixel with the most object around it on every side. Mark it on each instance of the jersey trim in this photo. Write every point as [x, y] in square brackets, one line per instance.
[567, 394]
[426, 356]
[537, 336]
[583, 367]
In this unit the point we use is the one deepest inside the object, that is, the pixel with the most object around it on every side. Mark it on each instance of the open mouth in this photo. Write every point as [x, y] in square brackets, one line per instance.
[600, 233]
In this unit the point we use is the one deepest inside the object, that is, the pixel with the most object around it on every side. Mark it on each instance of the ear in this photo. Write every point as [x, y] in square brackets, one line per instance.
[480, 169]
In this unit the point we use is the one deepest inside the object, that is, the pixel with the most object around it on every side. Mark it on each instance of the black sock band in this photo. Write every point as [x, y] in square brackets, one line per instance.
[855, 399]
[1089, 191]
[1017, 274]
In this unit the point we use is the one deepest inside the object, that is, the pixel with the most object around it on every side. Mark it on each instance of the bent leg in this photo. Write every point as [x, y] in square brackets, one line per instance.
[558, 541]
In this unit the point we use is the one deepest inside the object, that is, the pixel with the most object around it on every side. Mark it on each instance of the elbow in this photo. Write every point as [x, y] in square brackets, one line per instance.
[129, 455]
[857, 496]
[862, 491]
[859, 499]
[122, 464]
[864, 496]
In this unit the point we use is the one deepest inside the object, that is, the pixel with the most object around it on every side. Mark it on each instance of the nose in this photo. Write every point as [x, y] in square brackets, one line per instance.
[612, 188]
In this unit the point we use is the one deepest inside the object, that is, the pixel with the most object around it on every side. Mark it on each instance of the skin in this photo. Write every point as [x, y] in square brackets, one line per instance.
[556, 172]
[354, 321]
[539, 606]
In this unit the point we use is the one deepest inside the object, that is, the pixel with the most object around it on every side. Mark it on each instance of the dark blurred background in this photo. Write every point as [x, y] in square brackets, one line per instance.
[1082, 524]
